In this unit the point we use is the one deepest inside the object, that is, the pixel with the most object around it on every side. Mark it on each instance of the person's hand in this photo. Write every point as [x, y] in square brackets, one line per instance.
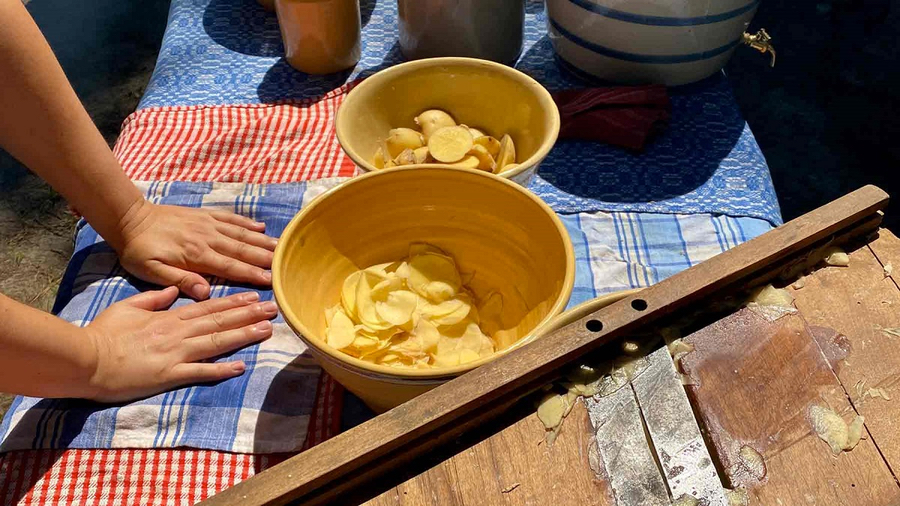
[172, 246]
[141, 352]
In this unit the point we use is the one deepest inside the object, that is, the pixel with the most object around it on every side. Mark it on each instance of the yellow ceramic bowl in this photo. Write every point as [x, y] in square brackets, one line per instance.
[512, 241]
[481, 94]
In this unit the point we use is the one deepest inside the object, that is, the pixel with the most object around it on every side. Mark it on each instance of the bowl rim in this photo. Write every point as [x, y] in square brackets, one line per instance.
[302, 331]
[543, 96]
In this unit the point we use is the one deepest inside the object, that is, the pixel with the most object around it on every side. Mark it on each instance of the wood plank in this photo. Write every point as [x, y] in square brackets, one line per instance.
[334, 467]
[560, 473]
[681, 451]
[634, 477]
[511, 467]
[887, 250]
[857, 302]
[757, 381]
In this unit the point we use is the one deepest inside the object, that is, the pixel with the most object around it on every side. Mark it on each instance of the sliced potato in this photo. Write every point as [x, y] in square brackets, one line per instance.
[398, 307]
[450, 144]
[507, 154]
[407, 157]
[469, 162]
[476, 133]
[491, 144]
[348, 293]
[433, 120]
[410, 314]
[340, 332]
[389, 163]
[400, 139]
[485, 160]
[422, 154]
[378, 159]
[433, 276]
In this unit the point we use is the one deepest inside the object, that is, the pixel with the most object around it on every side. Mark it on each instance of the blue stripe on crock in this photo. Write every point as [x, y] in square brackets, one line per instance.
[642, 19]
[642, 58]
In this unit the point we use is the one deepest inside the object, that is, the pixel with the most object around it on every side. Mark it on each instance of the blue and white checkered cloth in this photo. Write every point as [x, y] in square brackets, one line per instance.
[218, 52]
[268, 408]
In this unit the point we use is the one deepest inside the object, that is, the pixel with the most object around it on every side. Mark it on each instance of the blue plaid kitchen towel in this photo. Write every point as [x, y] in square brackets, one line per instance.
[269, 408]
[229, 52]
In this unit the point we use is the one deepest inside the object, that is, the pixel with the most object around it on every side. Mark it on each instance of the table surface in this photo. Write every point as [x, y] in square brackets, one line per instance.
[226, 52]
[756, 380]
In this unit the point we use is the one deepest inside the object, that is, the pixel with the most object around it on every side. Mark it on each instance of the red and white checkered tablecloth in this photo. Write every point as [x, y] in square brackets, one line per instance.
[258, 143]
[114, 477]
[165, 477]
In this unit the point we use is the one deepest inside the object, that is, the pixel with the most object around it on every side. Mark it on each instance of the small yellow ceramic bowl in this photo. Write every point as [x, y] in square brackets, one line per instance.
[481, 94]
[510, 239]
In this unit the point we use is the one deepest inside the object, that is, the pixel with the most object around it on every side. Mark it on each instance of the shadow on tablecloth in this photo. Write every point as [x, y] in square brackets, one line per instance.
[701, 134]
[253, 31]
[282, 76]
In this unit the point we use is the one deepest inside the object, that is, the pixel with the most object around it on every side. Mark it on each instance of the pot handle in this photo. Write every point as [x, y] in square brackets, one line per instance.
[761, 41]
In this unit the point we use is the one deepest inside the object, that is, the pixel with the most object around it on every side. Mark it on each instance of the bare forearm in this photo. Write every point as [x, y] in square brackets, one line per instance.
[44, 125]
[42, 355]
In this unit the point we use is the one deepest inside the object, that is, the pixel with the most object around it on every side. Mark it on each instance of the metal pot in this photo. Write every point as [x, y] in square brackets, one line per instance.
[487, 29]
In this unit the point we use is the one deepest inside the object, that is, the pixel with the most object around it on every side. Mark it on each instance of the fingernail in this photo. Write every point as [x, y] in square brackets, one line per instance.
[269, 307]
[259, 224]
[238, 367]
[250, 297]
[267, 276]
[198, 291]
[262, 327]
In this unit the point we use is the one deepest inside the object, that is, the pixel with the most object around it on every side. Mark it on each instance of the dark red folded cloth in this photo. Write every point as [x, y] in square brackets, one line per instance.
[626, 116]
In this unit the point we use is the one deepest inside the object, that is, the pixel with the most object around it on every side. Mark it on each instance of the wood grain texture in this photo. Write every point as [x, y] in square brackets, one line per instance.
[858, 302]
[513, 466]
[332, 468]
[757, 381]
[887, 250]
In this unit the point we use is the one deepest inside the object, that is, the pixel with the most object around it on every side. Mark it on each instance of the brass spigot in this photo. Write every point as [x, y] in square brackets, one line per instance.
[761, 41]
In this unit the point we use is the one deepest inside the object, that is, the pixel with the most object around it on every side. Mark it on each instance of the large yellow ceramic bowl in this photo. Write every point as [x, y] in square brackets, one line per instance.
[509, 239]
[481, 94]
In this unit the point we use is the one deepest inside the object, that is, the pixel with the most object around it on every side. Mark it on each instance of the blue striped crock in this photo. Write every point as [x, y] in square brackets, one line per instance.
[647, 41]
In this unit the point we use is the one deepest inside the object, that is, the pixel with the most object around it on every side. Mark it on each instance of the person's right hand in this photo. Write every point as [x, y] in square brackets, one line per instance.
[141, 351]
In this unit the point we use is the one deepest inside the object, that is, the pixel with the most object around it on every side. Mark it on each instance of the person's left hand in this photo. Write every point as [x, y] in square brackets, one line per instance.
[172, 246]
